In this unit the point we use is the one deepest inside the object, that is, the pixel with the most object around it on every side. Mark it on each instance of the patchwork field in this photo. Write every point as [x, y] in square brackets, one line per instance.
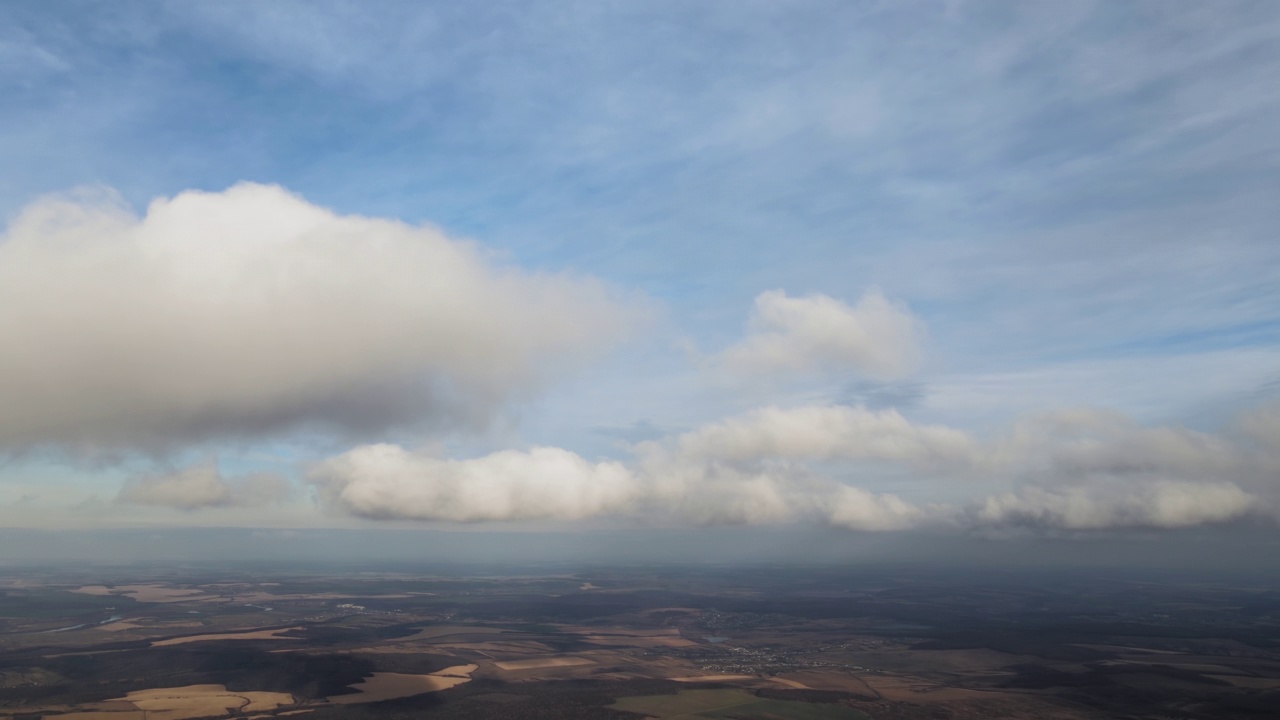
[659, 643]
[182, 703]
[146, 593]
[222, 637]
[538, 663]
[388, 686]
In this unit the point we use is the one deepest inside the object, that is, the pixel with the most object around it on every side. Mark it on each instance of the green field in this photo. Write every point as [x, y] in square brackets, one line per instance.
[731, 705]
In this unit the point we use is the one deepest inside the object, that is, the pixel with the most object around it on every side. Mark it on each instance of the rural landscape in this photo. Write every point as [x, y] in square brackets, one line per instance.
[132, 643]
[639, 360]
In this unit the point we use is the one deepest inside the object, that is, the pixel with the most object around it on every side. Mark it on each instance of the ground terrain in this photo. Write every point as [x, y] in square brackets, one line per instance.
[134, 643]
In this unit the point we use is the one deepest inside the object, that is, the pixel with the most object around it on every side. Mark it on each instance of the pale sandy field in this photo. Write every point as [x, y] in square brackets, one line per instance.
[181, 703]
[713, 678]
[103, 715]
[523, 647]
[147, 593]
[388, 686]
[538, 663]
[251, 635]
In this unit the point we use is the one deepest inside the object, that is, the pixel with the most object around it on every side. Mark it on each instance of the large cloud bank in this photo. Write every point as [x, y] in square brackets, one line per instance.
[384, 482]
[250, 311]
[1074, 470]
[742, 471]
[1143, 503]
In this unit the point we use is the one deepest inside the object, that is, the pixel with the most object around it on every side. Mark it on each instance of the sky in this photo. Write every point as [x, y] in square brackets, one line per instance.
[977, 271]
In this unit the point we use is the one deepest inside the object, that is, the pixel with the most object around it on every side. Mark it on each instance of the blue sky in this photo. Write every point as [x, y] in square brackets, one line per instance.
[1075, 200]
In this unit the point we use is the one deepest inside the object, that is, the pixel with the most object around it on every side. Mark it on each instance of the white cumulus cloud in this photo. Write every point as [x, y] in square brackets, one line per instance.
[821, 335]
[1119, 504]
[389, 482]
[724, 474]
[831, 432]
[250, 311]
[1080, 469]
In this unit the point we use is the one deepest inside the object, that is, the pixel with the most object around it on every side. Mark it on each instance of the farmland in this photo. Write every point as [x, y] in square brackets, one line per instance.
[629, 643]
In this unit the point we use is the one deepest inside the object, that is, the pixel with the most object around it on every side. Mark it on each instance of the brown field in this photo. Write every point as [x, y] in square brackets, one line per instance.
[539, 663]
[117, 626]
[300, 711]
[714, 678]
[1174, 662]
[249, 635]
[28, 676]
[947, 661]
[639, 642]
[452, 637]
[110, 706]
[628, 637]
[103, 715]
[259, 596]
[388, 686]
[440, 631]
[1126, 648]
[181, 703]
[94, 590]
[237, 584]
[457, 671]
[147, 593]
[823, 680]
[621, 631]
[1253, 683]
[526, 647]
[667, 610]
[915, 690]
[12, 582]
